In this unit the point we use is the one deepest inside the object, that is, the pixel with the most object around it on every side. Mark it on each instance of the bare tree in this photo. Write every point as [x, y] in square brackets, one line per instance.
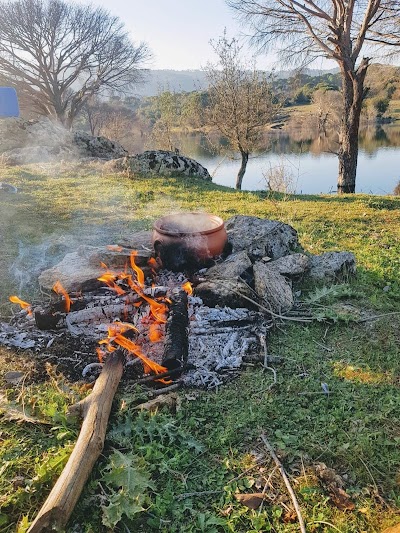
[59, 54]
[240, 102]
[327, 105]
[335, 29]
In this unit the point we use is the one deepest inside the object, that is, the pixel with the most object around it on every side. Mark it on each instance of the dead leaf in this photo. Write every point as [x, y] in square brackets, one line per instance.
[14, 377]
[392, 529]
[252, 500]
[12, 413]
[290, 516]
[341, 499]
[328, 475]
[168, 400]
[334, 485]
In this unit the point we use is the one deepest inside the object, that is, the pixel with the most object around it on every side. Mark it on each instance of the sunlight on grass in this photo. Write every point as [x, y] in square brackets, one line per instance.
[359, 375]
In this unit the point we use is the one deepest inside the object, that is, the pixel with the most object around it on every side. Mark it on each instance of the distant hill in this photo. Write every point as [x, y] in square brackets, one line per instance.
[192, 80]
[174, 80]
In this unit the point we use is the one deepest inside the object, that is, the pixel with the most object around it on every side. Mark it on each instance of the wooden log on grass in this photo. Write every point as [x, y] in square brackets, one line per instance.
[95, 411]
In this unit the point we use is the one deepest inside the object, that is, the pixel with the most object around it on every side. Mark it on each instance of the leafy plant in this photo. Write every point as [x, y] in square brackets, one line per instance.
[127, 482]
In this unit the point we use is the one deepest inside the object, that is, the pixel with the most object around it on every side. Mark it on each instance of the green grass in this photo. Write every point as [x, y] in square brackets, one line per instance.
[210, 440]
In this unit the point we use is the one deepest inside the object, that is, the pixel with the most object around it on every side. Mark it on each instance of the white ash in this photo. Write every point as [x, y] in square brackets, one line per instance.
[219, 338]
[22, 333]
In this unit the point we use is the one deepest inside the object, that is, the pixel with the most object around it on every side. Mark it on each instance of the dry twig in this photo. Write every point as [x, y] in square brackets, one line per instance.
[286, 480]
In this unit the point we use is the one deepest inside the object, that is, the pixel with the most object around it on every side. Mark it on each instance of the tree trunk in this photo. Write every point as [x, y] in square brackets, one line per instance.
[353, 95]
[242, 170]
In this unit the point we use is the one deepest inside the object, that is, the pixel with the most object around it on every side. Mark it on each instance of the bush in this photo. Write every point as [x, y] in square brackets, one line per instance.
[396, 191]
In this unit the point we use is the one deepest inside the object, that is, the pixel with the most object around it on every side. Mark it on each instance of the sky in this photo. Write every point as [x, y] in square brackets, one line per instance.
[178, 31]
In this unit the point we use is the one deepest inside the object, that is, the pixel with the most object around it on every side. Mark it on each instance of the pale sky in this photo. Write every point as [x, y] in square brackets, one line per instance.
[178, 31]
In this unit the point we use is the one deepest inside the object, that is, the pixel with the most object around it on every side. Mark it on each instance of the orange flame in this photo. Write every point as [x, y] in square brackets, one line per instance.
[109, 279]
[24, 305]
[100, 354]
[139, 271]
[136, 350]
[187, 287]
[155, 334]
[59, 289]
[152, 263]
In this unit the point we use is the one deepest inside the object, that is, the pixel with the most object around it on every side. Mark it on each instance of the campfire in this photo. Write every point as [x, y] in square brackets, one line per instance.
[148, 309]
[131, 307]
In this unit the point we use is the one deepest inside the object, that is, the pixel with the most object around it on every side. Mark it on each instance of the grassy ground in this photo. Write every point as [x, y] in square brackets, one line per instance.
[212, 443]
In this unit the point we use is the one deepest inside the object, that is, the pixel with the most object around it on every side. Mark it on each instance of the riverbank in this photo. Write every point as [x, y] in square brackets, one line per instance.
[192, 464]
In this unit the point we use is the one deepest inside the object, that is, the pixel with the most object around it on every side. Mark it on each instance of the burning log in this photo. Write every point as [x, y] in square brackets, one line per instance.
[176, 344]
[95, 410]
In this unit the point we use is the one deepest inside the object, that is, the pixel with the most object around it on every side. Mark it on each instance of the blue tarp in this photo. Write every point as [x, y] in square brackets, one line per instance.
[8, 102]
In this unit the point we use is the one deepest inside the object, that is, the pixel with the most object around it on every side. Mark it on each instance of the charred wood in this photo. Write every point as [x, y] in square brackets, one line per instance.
[176, 344]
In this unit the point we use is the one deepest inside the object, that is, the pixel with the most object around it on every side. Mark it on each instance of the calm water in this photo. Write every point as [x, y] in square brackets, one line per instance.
[308, 160]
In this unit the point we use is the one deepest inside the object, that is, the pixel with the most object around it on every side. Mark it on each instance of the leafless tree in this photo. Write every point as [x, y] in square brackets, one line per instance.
[59, 54]
[337, 29]
[327, 105]
[240, 103]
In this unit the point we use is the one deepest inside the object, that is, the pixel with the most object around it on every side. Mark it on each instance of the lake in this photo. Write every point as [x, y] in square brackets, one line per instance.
[308, 159]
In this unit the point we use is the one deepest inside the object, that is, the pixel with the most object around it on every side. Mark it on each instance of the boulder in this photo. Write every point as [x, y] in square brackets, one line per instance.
[165, 163]
[261, 237]
[292, 266]
[97, 147]
[272, 288]
[332, 266]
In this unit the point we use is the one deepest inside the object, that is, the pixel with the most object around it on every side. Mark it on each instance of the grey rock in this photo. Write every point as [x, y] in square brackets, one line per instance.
[80, 269]
[223, 281]
[272, 288]
[14, 377]
[7, 187]
[225, 293]
[261, 237]
[74, 272]
[139, 240]
[332, 266]
[44, 140]
[98, 147]
[292, 266]
[234, 266]
[165, 163]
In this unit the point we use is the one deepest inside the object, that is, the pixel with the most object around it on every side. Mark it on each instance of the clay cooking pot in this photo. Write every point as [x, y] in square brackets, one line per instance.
[188, 240]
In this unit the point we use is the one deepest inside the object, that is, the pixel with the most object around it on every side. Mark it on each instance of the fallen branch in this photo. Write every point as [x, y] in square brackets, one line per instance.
[286, 480]
[95, 411]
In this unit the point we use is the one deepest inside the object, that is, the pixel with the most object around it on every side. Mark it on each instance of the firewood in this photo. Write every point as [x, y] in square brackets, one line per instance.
[176, 332]
[95, 411]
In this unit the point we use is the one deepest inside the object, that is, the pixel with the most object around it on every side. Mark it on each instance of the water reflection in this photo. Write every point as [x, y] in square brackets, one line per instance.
[311, 156]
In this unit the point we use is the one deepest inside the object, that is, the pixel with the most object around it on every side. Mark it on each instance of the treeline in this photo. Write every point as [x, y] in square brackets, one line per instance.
[131, 119]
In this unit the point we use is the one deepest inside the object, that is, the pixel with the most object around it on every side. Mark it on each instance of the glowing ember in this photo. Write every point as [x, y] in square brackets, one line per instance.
[115, 248]
[187, 287]
[59, 289]
[24, 305]
[155, 333]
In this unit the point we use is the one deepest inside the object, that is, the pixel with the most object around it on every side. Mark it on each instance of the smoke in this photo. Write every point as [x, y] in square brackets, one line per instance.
[39, 141]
